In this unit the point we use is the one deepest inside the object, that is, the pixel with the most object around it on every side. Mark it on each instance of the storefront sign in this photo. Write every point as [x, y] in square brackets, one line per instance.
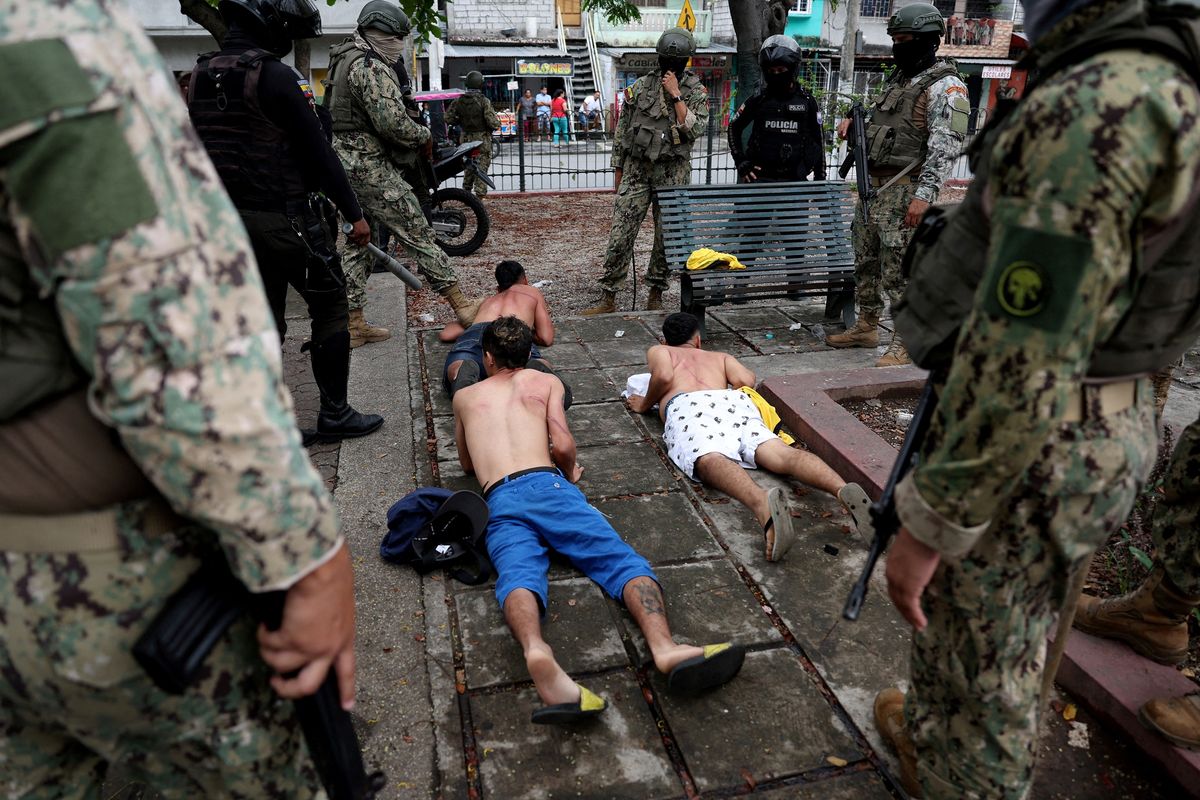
[1000, 73]
[560, 69]
[644, 62]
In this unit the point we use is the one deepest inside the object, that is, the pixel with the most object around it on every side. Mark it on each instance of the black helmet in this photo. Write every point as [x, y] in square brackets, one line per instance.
[780, 51]
[285, 19]
[474, 79]
[384, 16]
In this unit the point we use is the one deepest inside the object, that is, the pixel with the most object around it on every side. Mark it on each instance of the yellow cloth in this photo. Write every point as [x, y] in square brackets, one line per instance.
[770, 417]
[707, 257]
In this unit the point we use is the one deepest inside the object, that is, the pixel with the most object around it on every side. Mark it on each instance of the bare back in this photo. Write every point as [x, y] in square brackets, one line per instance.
[504, 423]
[520, 300]
[676, 370]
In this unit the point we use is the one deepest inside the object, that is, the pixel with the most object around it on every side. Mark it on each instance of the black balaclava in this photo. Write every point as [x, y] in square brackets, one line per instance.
[672, 64]
[917, 54]
[779, 84]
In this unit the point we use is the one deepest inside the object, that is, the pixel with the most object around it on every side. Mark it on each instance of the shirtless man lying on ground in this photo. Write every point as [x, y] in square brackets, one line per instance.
[514, 298]
[512, 434]
[714, 431]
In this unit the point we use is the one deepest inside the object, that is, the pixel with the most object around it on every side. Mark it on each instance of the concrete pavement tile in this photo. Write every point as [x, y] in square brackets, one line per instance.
[454, 479]
[606, 423]
[733, 345]
[577, 625]
[661, 527]
[817, 361]
[809, 312]
[865, 785]
[447, 447]
[786, 341]
[591, 385]
[707, 603]
[592, 329]
[617, 352]
[621, 469]
[771, 720]
[757, 318]
[566, 354]
[618, 756]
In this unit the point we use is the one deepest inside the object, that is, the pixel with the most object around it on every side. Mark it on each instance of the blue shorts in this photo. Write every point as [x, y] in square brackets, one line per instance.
[469, 347]
[542, 510]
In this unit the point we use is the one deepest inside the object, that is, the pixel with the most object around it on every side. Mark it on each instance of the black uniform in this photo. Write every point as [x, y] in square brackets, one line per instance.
[778, 136]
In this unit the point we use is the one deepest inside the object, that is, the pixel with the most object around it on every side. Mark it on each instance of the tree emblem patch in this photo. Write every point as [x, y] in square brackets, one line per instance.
[1022, 289]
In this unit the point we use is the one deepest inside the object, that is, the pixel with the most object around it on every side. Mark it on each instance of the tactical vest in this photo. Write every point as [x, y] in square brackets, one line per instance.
[894, 139]
[348, 117]
[469, 109]
[252, 154]
[780, 138]
[947, 257]
[652, 122]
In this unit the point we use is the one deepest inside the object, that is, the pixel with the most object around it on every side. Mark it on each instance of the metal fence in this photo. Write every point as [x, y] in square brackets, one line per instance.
[532, 161]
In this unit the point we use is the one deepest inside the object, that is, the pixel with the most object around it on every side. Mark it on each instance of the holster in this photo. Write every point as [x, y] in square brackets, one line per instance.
[315, 222]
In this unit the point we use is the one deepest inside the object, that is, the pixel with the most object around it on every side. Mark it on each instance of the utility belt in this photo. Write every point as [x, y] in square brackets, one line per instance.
[880, 180]
[83, 532]
[1094, 400]
[314, 219]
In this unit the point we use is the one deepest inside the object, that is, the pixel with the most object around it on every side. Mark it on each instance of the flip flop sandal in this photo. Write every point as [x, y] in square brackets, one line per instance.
[781, 519]
[588, 706]
[717, 666]
[856, 501]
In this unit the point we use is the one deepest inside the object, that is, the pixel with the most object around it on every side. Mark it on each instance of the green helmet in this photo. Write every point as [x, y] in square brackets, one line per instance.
[384, 16]
[676, 43]
[474, 79]
[917, 18]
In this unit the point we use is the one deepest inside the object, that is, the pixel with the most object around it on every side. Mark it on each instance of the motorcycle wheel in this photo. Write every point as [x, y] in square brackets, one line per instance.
[460, 222]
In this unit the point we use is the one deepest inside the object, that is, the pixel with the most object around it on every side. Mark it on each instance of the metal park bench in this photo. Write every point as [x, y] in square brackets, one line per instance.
[794, 239]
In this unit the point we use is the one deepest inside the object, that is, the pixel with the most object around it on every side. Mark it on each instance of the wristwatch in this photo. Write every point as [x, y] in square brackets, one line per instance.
[676, 99]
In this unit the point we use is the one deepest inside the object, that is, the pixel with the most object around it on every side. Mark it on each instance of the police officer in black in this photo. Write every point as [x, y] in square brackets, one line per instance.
[775, 135]
[258, 121]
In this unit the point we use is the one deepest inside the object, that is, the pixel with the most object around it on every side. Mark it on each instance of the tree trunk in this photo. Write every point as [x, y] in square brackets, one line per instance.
[846, 71]
[747, 16]
[206, 16]
[302, 57]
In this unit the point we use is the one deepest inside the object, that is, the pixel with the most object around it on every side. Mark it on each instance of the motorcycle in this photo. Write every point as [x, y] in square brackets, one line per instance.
[459, 219]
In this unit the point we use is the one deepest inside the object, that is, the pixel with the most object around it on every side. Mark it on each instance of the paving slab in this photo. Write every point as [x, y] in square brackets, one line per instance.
[629, 349]
[661, 527]
[443, 430]
[788, 341]
[760, 318]
[863, 785]
[566, 354]
[618, 756]
[770, 721]
[816, 361]
[578, 625]
[605, 423]
[623, 469]
[590, 385]
[594, 329]
[733, 344]
[454, 479]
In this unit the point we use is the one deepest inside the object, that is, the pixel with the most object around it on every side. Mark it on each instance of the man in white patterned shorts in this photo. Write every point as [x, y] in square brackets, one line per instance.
[713, 432]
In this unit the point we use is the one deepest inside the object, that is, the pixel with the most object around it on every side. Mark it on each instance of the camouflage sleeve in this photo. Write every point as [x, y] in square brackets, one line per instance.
[376, 87]
[948, 111]
[451, 115]
[120, 216]
[621, 136]
[697, 114]
[1111, 146]
[489, 115]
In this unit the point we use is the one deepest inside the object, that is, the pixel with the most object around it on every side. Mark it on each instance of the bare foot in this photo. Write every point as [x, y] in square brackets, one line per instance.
[672, 657]
[553, 685]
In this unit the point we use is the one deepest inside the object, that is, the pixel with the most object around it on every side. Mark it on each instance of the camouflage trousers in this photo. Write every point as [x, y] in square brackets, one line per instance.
[474, 184]
[976, 670]
[879, 248]
[635, 196]
[389, 201]
[73, 700]
[1176, 525]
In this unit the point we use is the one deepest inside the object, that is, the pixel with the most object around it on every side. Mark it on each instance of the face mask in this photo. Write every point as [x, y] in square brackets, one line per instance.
[389, 46]
[915, 55]
[669, 64]
[778, 83]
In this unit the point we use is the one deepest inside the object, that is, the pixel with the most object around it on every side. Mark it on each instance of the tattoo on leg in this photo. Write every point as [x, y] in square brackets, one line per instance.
[650, 597]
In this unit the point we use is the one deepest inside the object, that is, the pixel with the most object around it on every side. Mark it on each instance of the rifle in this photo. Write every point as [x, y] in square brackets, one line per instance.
[857, 158]
[883, 510]
[173, 649]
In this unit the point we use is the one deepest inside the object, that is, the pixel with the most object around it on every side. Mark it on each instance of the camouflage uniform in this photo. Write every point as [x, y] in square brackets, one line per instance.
[1177, 515]
[478, 119]
[1012, 495]
[115, 214]
[640, 177]
[377, 180]
[880, 245]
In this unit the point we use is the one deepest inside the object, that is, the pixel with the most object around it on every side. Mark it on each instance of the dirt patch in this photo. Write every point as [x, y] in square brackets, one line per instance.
[885, 416]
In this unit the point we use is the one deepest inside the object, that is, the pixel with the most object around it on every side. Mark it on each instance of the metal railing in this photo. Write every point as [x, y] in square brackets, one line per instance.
[645, 32]
[589, 36]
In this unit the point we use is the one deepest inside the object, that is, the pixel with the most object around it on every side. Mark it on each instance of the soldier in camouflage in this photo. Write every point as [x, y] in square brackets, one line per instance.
[1041, 440]
[914, 136]
[474, 114]
[377, 141]
[652, 147]
[144, 428]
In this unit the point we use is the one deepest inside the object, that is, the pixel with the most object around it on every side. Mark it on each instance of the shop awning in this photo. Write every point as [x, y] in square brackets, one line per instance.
[712, 49]
[502, 51]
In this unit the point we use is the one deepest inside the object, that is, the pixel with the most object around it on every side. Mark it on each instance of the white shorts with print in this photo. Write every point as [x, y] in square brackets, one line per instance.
[725, 421]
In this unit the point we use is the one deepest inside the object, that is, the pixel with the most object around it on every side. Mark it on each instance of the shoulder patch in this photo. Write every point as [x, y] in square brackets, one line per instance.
[629, 93]
[960, 112]
[1034, 277]
[307, 90]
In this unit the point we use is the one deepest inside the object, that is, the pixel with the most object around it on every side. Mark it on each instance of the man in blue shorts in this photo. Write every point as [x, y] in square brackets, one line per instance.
[512, 434]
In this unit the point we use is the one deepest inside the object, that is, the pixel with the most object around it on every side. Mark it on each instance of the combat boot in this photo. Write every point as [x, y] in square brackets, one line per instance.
[1152, 619]
[1175, 718]
[608, 304]
[464, 309]
[889, 721]
[363, 332]
[895, 356]
[654, 299]
[863, 334]
[337, 419]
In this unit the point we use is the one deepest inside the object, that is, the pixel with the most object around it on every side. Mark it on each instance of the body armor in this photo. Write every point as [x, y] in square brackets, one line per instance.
[251, 153]
[895, 138]
[347, 116]
[948, 253]
[655, 136]
[469, 109]
[780, 140]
